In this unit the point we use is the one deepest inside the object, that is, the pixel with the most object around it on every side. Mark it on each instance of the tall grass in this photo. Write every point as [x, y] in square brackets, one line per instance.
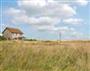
[44, 56]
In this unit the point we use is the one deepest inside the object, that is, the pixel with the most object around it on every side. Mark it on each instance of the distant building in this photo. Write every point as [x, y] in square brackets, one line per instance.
[12, 33]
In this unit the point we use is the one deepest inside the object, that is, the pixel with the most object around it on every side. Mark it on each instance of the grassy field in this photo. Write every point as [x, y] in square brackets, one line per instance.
[44, 56]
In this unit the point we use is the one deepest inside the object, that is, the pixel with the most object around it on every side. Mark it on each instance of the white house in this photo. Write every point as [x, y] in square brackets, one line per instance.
[12, 33]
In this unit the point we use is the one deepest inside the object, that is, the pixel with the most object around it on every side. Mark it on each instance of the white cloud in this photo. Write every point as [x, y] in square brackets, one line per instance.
[48, 15]
[47, 8]
[82, 2]
[60, 29]
[77, 35]
[33, 3]
[64, 29]
[75, 2]
[43, 21]
[14, 12]
[59, 10]
[73, 21]
[19, 16]
[44, 14]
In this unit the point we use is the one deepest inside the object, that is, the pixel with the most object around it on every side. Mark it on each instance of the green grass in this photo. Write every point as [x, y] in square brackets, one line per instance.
[44, 56]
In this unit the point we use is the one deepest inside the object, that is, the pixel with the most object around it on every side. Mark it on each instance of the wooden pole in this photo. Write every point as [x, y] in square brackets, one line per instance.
[59, 38]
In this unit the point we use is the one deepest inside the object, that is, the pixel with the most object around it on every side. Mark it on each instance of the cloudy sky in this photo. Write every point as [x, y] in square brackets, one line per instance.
[46, 19]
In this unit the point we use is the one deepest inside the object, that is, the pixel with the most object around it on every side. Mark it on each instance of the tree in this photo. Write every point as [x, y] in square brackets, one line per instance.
[2, 38]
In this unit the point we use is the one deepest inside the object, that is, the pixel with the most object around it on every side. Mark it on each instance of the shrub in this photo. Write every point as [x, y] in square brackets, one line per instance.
[2, 38]
[30, 40]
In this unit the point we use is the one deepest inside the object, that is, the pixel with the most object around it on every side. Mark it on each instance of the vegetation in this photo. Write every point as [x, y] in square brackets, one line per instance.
[2, 38]
[30, 39]
[44, 56]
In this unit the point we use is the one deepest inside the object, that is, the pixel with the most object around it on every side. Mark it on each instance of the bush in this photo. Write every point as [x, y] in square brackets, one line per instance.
[2, 38]
[30, 40]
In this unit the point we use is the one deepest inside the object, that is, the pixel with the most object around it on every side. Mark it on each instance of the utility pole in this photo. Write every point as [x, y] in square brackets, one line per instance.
[59, 38]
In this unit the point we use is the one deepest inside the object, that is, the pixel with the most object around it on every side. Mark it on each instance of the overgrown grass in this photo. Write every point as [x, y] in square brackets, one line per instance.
[44, 56]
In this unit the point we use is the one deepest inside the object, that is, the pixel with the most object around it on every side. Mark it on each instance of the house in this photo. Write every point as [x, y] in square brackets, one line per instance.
[12, 33]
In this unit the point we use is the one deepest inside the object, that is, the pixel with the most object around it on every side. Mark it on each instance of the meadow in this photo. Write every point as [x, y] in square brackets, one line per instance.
[44, 55]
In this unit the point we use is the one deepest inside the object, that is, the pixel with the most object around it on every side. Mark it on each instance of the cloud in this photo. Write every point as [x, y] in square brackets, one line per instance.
[19, 16]
[73, 21]
[46, 8]
[13, 12]
[60, 10]
[64, 29]
[77, 2]
[59, 29]
[45, 14]
[35, 3]
[77, 35]
[43, 21]
[82, 2]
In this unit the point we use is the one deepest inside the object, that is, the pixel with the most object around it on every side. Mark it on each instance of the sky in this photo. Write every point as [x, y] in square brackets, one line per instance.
[47, 19]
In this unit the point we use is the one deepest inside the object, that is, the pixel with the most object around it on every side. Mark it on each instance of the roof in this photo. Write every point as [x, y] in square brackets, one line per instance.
[13, 30]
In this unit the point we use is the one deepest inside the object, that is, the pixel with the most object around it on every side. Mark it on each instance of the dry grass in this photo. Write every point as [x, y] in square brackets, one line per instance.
[44, 56]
